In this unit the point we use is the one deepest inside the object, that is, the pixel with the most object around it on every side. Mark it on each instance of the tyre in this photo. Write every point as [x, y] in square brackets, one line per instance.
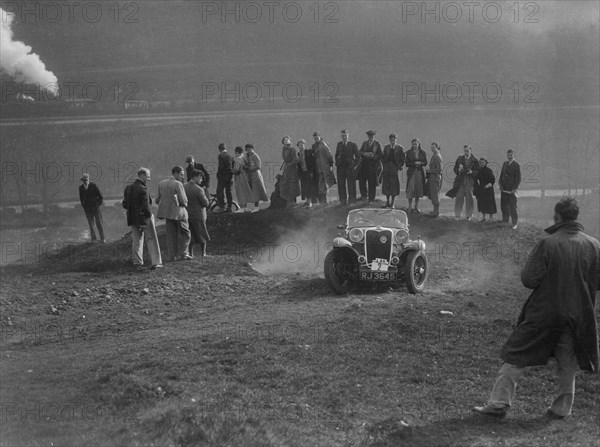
[341, 272]
[416, 270]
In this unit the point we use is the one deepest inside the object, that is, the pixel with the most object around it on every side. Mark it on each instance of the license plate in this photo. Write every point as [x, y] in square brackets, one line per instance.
[378, 276]
[380, 265]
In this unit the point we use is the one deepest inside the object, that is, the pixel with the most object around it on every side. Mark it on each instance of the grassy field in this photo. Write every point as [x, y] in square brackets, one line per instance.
[214, 353]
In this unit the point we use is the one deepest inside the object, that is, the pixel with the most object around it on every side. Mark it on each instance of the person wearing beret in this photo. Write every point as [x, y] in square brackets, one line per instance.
[91, 199]
[370, 158]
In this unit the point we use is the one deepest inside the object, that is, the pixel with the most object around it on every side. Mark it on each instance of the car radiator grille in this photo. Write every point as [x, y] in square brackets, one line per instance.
[378, 244]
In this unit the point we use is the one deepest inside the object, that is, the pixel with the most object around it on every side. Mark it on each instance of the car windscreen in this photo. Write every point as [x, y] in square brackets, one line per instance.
[375, 217]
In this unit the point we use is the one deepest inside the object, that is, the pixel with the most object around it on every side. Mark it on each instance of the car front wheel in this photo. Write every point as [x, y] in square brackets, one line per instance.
[341, 272]
[416, 271]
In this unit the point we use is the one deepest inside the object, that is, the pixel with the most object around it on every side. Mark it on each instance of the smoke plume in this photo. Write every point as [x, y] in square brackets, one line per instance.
[17, 60]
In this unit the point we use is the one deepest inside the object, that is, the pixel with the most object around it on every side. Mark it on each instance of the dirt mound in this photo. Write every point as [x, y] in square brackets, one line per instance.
[297, 240]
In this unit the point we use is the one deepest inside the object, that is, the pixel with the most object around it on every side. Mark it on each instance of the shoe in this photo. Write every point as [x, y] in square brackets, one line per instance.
[483, 219]
[309, 205]
[491, 411]
[187, 258]
[553, 415]
[103, 241]
[514, 227]
[343, 203]
[157, 266]
[456, 217]
[417, 211]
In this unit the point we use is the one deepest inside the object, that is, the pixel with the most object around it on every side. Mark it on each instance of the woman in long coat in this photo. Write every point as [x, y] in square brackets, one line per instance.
[243, 191]
[484, 191]
[393, 160]
[416, 160]
[434, 178]
[289, 188]
[255, 178]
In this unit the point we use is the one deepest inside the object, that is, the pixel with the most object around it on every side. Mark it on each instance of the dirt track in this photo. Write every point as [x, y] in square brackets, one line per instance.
[251, 348]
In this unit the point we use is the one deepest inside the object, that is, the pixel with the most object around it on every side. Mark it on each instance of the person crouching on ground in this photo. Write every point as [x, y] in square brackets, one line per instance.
[171, 202]
[197, 203]
[558, 319]
[137, 201]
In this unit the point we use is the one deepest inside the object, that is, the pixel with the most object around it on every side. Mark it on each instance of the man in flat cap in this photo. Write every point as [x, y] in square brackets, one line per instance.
[91, 199]
[370, 159]
[324, 161]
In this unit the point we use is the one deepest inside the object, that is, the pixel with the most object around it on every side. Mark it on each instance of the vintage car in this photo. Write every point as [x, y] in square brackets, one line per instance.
[374, 245]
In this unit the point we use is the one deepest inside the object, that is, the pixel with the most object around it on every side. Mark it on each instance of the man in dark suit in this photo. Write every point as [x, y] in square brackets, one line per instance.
[346, 159]
[466, 168]
[510, 179]
[137, 201]
[224, 178]
[370, 159]
[91, 199]
[190, 165]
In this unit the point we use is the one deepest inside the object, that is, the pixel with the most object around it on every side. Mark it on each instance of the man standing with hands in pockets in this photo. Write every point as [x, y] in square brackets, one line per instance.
[510, 178]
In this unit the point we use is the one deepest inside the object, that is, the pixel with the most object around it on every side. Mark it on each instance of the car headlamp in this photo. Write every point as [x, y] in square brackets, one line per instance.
[401, 236]
[356, 235]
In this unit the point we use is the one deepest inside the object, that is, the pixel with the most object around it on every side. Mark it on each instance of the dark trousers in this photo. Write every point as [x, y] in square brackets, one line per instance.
[369, 179]
[95, 215]
[224, 182]
[508, 206]
[346, 175]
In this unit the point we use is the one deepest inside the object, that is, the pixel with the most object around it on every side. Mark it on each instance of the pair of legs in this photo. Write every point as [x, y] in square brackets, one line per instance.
[137, 243]
[199, 235]
[322, 196]
[389, 201]
[178, 239]
[416, 208]
[508, 206]
[367, 185]
[505, 387]
[224, 182]
[95, 216]
[464, 196]
[346, 177]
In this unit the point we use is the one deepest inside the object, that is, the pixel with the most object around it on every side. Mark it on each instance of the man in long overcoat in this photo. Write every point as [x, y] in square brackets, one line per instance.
[558, 320]
[137, 201]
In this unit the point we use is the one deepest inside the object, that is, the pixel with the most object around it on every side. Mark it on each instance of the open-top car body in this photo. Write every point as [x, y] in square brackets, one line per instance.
[374, 245]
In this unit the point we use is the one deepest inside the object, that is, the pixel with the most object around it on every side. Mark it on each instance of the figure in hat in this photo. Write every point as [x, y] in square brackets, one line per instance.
[370, 159]
[346, 160]
[324, 161]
